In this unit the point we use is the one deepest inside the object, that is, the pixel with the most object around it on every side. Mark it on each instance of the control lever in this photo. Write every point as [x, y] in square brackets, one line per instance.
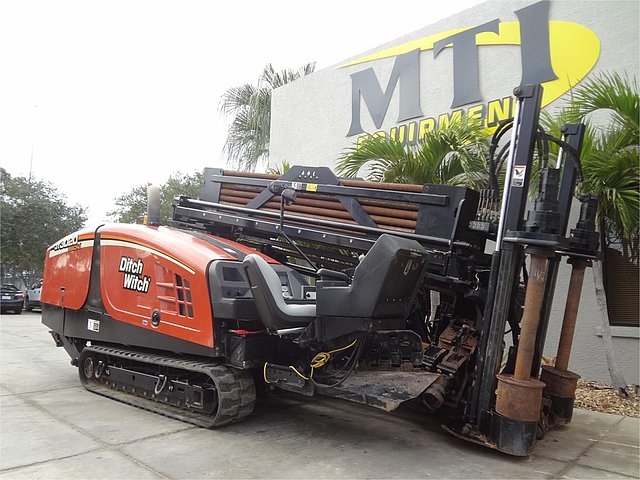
[288, 197]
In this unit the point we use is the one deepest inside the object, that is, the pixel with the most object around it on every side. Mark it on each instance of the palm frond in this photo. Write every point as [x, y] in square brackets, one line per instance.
[609, 91]
[377, 152]
[610, 155]
[615, 178]
[248, 134]
[455, 153]
[236, 99]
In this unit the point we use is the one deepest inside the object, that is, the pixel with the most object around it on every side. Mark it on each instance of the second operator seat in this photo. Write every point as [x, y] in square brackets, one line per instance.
[383, 285]
[275, 313]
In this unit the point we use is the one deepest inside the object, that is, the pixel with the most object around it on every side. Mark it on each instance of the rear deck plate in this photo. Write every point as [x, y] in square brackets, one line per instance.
[384, 390]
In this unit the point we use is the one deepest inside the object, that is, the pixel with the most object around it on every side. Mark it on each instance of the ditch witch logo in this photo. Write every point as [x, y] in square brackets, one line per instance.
[557, 54]
[133, 280]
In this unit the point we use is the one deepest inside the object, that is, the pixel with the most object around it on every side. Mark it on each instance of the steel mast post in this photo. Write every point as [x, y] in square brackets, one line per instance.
[507, 257]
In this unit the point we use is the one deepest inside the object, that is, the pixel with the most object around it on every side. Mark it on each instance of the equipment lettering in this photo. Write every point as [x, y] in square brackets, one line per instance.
[488, 115]
[135, 283]
[128, 265]
[66, 242]
[133, 278]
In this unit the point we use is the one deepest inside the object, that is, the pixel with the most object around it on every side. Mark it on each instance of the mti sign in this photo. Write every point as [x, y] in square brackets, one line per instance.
[557, 54]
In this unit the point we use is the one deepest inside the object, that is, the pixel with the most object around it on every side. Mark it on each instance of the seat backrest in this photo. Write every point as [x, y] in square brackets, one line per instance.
[266, 288]
[383, 285]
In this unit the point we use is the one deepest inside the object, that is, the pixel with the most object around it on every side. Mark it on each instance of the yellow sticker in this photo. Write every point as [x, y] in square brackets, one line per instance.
[312, 187]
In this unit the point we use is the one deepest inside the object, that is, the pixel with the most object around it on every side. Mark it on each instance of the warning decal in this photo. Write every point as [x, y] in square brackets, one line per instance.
[517, 180]
[93, 325]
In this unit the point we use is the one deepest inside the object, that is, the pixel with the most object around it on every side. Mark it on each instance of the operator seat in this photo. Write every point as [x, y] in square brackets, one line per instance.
[384, 284]
[266, 288]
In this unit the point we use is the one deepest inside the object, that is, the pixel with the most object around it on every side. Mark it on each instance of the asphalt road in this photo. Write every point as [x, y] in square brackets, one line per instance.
[50, 427]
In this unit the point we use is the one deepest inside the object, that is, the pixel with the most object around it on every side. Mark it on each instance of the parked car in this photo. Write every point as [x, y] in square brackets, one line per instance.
[11, 298]
[32, 297]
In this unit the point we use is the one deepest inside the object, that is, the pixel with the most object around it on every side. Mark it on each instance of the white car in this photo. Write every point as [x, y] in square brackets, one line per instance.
[32, 296]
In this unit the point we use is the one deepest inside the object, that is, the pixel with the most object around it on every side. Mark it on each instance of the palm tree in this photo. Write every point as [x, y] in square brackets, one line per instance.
[611, 170]
[455, 154]
[249, 106]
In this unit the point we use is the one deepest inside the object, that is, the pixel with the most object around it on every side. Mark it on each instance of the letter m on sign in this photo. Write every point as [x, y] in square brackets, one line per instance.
[365, 85]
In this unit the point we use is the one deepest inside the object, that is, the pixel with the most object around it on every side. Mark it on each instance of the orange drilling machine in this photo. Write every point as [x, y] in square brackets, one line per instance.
[375, 293]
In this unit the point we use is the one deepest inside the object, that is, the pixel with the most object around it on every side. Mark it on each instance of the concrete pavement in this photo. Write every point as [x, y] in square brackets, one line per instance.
[50, 427]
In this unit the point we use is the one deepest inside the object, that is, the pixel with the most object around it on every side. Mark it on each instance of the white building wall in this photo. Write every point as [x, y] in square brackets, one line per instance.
[310, 119]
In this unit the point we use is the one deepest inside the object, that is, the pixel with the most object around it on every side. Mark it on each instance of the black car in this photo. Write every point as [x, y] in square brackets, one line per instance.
[11, 299]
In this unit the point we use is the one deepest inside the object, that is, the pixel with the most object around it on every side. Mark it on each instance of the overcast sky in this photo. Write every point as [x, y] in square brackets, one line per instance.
[99, 97]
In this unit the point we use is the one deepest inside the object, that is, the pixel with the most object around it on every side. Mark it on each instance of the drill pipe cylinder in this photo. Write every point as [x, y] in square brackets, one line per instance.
[531, 316]
[518, 396]
[570, 315]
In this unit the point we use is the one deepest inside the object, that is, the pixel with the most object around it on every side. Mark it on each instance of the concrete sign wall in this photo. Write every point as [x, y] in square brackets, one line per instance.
[467, 63]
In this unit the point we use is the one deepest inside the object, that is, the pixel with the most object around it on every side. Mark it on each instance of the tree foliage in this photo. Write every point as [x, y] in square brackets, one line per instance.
[612, 170]
[34, 215]
[249, 107]
[455, 154]
[611, 152]
[132, 206]
[279, 169]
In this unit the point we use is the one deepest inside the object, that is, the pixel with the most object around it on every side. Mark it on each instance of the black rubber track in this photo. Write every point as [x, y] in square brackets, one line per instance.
[235, 388]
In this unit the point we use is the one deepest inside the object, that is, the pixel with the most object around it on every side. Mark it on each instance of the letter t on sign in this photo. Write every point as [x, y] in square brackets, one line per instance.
[466, 85]
[535, 50]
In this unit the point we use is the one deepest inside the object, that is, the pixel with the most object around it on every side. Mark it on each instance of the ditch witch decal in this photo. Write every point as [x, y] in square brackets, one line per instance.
[133, 278]
[557, 54]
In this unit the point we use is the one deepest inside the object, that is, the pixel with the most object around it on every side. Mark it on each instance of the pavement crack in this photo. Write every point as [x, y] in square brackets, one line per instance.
[572, 463]
[42, 462]
[115, 447]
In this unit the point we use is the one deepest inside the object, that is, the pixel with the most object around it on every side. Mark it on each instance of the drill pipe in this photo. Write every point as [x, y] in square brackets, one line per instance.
[531, 316]
[570, 315]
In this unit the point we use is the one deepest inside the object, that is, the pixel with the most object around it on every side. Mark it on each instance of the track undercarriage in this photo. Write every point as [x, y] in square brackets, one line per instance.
[204, 393]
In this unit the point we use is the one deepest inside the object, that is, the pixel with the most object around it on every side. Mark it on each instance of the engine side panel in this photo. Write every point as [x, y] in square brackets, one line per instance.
[149, 287]
[144, 283]
[67, 268]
